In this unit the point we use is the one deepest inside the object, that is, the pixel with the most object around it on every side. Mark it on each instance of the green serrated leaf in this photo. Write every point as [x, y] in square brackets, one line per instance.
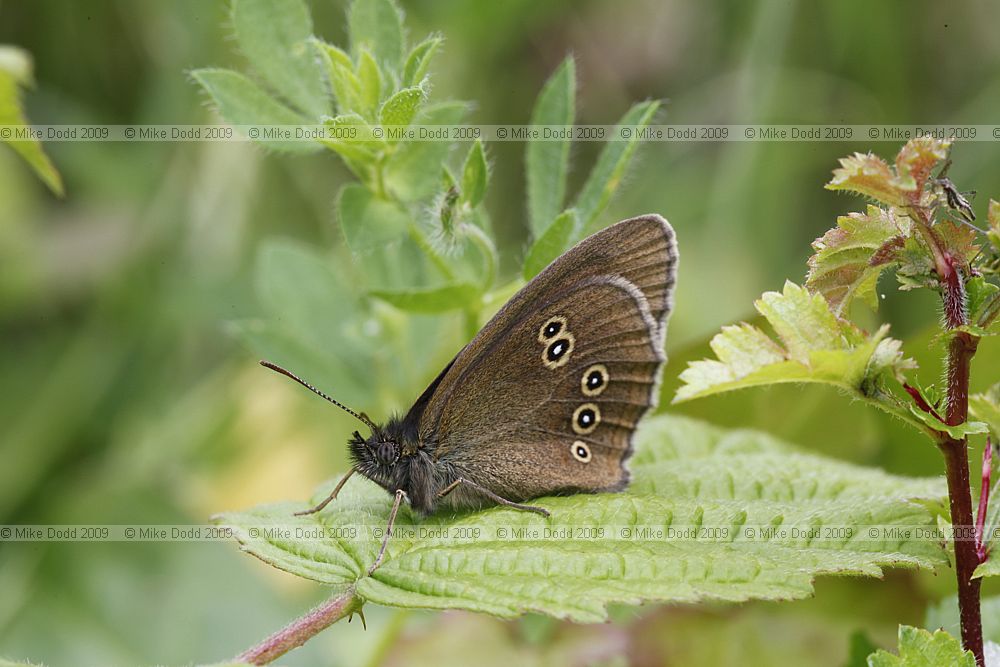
[16, 70]
[377, 26]
[868, 175]
[842, 267]
[419, 60]
[432, 299]
[958, 239]
[275, 36]
[605, 177]
[815, 347]
[240, 101]
[685, 473]
[552, 243]
[475, 173]
[412, 172]
[370, 80]
[402, 106]
[991, 568]
[986, 406]
[920, 648]
[344, 83]
[547, 162]
[979, 294]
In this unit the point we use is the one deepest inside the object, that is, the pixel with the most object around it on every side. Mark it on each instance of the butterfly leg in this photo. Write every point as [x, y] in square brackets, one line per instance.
[400, 494]
[330, 498]
[499, 500]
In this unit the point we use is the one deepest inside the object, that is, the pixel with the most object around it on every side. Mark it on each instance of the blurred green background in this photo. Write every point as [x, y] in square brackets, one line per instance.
[127, 399]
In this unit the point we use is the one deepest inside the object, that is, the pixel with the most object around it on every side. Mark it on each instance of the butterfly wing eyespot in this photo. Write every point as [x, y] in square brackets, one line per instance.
[580, 451]
[557, 353]
[594, 380]
[551, 328]
[586, 418]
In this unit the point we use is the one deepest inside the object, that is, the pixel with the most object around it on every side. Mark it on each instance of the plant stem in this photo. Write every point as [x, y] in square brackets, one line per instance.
[302, 629]
[956, 455]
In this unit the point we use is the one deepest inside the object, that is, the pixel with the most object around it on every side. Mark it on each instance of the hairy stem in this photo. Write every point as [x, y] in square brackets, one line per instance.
[302, 629]
[956, 455]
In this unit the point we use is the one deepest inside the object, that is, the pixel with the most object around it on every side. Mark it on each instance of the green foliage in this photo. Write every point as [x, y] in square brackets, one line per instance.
[920, 648]
[547, 162]
[814, 346]
[986, 407]
[551, 243]
[16, 72]
[686, 473]
[944, 615]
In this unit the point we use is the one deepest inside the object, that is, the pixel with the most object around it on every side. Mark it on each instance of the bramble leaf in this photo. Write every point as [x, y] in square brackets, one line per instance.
[607, 173]
[958, 431]
[850, 257]
[276, 36]
[920, 648]
[868, 175]
[916, 159]
[813, 346]
[550, 244]
[958, 239]
[15, 71]
[687, 476]
[547, 162]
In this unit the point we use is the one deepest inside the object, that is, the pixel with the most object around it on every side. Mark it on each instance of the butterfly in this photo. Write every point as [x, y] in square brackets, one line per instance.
[546, 398]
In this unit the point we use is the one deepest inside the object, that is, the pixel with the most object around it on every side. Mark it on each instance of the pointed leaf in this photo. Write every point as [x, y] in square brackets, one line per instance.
[407, 174]
[370, 80]
[916, 159]
[377, 26]
[847, 264]
[958, 239]
[475, 173]
[240, 101]
[552, 243]
[431, 299]
[275, 36]
[814, 346]
[920, 648]
[606, 176]
[959, 431]
[419, 60]
[16, 70]
[343, 80]
[357, 154]
[547, 162]
[687, 475]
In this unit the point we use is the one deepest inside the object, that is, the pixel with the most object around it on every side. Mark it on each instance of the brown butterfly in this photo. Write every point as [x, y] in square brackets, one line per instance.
[546, 398]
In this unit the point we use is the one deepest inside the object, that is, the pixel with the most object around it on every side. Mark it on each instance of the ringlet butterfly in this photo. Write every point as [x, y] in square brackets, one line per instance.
[546, 398]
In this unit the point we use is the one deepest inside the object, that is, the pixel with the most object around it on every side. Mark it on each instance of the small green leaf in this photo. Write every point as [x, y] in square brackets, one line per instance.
[991, 568]
[402, 106]
[431, 299]
[344, 82]
[986, 406]
[605, 177]
[547, 162]
[686, 475]
[959, 431]
[275, 36]
[552, 243]
[815, 347]
[370, 79]
[377, 26]
[240, 101]
[357, 154]
[16, 70]
[475, 173]
[868, 175]
[920, 648]
[842, 267]
[368, 222]
[979, 295]
[412, 172]
[419, 60]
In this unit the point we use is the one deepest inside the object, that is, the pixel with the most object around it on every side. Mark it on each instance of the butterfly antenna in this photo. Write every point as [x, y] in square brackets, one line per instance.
[360, 417]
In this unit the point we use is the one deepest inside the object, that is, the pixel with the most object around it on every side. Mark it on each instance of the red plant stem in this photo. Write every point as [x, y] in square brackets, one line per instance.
[301, 630]
[956, 456]
[984, 501]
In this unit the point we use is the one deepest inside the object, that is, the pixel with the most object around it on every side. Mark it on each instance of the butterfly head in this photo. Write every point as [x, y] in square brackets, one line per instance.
[376, 453]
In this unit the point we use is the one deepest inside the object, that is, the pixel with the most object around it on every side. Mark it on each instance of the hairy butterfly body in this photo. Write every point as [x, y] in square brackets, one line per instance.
[546, 398]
